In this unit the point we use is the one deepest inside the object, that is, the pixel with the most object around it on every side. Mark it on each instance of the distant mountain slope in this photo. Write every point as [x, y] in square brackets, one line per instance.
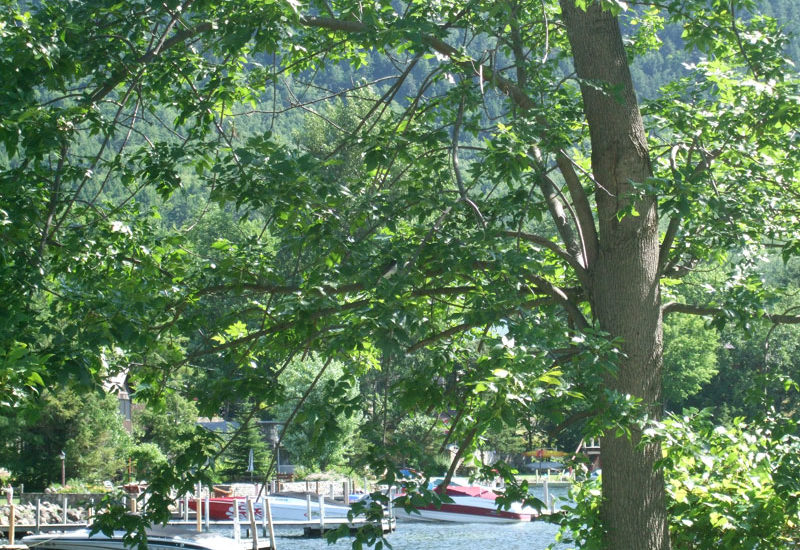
[660, 66]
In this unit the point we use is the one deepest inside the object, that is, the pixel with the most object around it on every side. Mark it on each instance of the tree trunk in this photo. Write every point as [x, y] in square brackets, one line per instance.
[624, 280]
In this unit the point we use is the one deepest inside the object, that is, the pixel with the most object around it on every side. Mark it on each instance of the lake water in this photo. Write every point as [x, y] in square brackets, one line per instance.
[535, 535]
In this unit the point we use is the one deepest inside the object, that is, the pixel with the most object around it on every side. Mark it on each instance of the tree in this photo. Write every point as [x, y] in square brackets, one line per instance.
[235, 464]
[437, 243]
[87, 428]
[166, 426]
[320, 433]
[690, 359]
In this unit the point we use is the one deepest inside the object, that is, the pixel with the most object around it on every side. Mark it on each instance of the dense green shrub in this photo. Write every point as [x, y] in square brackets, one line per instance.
[734, 486]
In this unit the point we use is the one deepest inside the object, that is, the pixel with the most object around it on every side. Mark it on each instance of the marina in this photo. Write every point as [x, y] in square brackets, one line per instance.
[244, 534]
[264, 531]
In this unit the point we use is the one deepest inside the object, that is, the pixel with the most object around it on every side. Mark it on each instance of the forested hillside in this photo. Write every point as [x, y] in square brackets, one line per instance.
[670, 54]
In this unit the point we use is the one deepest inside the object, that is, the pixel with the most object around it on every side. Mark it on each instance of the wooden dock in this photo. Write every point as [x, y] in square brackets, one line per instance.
[192, 521]
[243, 544]
[313, 526]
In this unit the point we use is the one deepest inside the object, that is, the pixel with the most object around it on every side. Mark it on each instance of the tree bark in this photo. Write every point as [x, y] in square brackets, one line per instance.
[624, 280]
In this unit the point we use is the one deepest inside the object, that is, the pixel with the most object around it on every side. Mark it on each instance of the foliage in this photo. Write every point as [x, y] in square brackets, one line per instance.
[88, 428]
[418, 446]
[234, 463]
[324, 405]
[690, 358]
[147, 457]
[495, 240]
[734, 485]
[727, 485]
[581, 523]
[166, 425]
[79, 486]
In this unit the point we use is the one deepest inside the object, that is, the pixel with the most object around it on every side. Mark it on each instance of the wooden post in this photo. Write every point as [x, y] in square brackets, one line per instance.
[199, 510]
[237, 528]
[268, 517]
[317, 490]
[321, 514]
[252, 517]
[264, 501]
[11, 524]
[38, 516]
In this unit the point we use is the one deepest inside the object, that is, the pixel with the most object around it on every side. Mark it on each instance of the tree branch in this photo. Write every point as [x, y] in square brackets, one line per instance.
[151, 54]
[546, 243]
[551, 195]
[487, 75]
[583, 210]
[666, 244]
[558, 294]
[469, 66]
[574, 419]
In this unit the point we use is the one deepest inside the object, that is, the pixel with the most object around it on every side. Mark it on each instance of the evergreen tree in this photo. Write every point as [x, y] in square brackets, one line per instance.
[245, 442]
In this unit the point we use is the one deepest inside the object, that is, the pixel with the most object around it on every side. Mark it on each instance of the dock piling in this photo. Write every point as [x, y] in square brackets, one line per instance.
[268, 517]
[237, 529]
[252, 517]
[546, 492]
[199, 510]
[264, 504]
[208, 513]
[321, 513]
[38, 519]
[11, 524]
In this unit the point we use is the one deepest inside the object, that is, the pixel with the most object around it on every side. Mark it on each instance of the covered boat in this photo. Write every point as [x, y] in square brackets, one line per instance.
[283, 508]
[157, 539]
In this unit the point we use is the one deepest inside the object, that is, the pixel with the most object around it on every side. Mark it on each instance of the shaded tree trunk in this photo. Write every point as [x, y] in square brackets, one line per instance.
[624, 279]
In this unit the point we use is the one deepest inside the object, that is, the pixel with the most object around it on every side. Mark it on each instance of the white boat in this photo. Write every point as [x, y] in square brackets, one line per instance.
[283, 508]
[157, 539]
[288, 508]
[472, 504]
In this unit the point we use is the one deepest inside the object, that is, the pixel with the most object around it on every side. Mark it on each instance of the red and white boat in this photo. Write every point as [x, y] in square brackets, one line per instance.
[283, 508]
[471, 504]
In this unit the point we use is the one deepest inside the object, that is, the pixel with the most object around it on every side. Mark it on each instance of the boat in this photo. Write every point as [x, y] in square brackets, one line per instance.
[471, 504]
[283, 508]
[158, 538]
